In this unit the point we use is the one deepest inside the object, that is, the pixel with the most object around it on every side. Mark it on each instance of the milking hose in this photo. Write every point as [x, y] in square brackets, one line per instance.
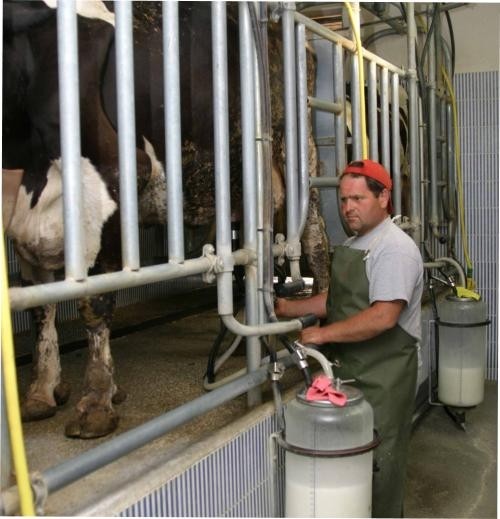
[11, 397]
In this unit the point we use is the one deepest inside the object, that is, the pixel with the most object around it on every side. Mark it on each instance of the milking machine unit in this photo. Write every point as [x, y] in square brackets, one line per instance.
[461, 319]
[328, 437]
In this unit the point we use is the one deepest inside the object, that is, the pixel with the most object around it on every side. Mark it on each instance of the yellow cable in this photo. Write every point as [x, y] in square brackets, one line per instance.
[359, 51]
[461, 207]
[11, 398]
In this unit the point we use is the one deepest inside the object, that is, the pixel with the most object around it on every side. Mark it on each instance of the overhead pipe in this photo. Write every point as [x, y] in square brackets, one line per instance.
[292, 196]
[171, 75]
[129, 220]
[222, 185]
[69, 110]
[334, 37]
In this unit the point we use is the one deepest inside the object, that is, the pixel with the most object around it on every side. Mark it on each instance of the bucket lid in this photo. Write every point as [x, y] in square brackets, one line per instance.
[353, 394]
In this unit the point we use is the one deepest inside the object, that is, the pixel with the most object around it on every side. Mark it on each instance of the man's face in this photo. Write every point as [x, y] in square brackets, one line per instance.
[361, 210]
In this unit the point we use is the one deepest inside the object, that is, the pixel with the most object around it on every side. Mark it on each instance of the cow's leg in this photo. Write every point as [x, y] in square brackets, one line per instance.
[46, 390]
[95, 414]
[314, 238]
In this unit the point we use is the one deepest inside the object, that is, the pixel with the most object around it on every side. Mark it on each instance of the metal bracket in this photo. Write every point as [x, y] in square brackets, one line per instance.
[276, 371]
[280, 241]
[208, 252]
[40, 492]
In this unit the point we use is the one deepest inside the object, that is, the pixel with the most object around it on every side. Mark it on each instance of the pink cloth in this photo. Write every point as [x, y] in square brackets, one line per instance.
[321, 389]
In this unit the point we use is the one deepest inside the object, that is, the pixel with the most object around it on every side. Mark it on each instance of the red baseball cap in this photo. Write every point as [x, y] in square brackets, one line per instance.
[370, 168]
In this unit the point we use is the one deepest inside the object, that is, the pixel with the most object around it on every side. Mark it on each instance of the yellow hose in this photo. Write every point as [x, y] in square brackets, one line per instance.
[359, 52]
[461, 207]
[11, 398]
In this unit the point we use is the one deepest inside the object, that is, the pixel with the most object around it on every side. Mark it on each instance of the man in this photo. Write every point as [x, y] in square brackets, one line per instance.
[372, 312]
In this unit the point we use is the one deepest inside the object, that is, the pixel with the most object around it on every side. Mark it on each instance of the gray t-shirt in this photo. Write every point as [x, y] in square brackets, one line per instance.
[394, 270]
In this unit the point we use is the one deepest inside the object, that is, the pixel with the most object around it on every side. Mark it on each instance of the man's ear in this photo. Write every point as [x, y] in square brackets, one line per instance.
[384, 197]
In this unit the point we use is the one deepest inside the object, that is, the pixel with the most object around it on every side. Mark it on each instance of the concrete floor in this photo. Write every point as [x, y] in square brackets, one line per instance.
[451, 473]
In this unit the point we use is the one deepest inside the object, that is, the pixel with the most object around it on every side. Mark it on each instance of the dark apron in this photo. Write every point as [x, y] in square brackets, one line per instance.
[385, 369]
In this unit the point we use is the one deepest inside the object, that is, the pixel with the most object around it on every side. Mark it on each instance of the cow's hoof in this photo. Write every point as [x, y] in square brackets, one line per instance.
[120, 396]
[32, 410]
[61, 392]
[93, 424]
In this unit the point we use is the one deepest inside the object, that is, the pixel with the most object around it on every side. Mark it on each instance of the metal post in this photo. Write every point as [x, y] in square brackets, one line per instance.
[433, 221]
[396, 147]
[303, 126]
[415, 213]
[221, 156]
[355, 111]
[384, 118]
[126, 136]
[247, 80]
[372, 110]
[292, 201]
[69, 109]
[339, 98]
[173, 132]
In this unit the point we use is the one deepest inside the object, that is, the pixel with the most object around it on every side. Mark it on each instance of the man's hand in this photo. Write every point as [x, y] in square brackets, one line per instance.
[312, 335]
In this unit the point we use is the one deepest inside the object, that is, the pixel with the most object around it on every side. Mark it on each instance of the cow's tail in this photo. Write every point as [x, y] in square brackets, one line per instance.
[153, 198]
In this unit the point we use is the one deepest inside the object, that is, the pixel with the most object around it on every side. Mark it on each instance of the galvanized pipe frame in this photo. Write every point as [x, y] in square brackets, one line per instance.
[69, 108]
[129, 219]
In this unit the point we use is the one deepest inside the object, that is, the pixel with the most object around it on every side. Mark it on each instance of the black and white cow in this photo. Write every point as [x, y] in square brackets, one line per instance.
[31, 142]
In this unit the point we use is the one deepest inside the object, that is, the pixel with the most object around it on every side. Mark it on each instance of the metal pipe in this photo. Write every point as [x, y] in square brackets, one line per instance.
[325, 106]
[384, 118]
[273, 328]
[129, 219]
[28, 297]
[396, 147]
[69, 110]
[372, 110]
[290, 102]
[440, 262]
[303, 122]
[175, 215]
[443, 157]
[222, 193]
[339, 97]
[249, 173]
[221, 158]
[355, 112]
[324, 182]
[432, 120]
[450, 161]
[334, 37]
[415, 211]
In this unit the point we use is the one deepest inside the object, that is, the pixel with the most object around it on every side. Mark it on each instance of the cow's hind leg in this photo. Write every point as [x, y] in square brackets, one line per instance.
[95, 413]
[46, 390]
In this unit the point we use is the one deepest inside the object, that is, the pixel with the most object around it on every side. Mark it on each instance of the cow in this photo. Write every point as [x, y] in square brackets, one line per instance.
[31, 142]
